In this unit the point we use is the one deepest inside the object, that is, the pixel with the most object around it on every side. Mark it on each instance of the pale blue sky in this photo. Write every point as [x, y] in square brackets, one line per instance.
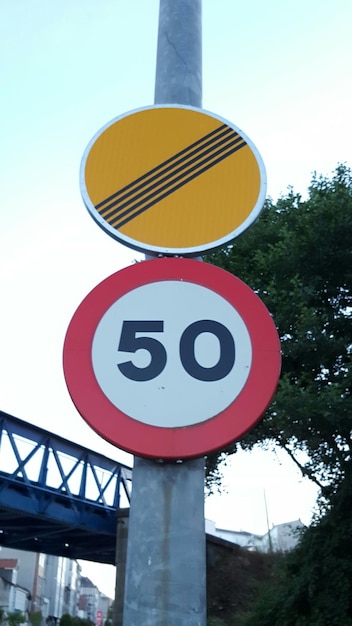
[279, 70]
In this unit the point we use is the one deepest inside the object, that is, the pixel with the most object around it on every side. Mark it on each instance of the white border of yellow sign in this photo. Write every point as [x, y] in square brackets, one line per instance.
[172, 180]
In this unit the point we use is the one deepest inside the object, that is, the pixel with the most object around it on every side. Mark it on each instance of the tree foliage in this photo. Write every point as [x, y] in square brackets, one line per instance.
[313, 585]
[110, 615]
[298, 258]
[69, 620]
[14, 618]
[35, 618]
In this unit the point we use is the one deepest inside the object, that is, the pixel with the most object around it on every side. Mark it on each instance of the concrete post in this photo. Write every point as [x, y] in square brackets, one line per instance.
[166, 566]
[165, 578]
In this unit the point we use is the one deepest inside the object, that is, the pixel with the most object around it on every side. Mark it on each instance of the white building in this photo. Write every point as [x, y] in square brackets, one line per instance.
[280, 538]
[29, 574]
[88, 599]
[13, 597]
[31, 582]
[61, 586]
[52, 582]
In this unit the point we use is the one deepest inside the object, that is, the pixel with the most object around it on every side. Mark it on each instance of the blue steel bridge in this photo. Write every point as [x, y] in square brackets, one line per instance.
[57, 497]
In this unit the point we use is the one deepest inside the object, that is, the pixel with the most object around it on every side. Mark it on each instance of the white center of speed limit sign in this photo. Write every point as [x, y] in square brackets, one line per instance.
[171, 354]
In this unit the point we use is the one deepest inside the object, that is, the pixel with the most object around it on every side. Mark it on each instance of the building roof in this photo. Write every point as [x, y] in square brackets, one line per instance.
[86, 582]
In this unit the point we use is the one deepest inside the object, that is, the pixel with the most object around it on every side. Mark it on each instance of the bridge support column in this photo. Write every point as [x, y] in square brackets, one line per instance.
[121, 552]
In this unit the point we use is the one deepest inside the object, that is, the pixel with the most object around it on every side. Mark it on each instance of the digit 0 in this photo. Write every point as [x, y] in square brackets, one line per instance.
[227, 350]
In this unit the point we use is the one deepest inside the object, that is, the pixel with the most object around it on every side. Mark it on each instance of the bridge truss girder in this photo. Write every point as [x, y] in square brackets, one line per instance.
[57, 497]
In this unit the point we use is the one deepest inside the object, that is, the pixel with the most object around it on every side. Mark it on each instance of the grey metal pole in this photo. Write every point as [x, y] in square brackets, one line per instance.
[179, 55]
[165, 581]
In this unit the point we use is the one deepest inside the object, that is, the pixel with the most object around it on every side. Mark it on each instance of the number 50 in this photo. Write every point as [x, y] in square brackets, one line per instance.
[129, 342]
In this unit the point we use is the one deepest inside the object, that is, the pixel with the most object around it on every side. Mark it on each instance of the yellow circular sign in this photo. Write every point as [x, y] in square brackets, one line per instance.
[172, 180]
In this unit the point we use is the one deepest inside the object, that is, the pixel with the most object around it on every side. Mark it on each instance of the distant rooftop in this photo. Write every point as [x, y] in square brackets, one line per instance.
[86, 582]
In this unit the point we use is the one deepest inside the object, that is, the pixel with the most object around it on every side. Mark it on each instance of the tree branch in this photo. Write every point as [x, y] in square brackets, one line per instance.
[304, 470]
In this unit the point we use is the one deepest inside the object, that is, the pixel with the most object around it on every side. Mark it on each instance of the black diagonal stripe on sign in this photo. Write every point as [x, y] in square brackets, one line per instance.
[223, 129]
[121, 222]
[187, 164]
[163, 169]
[168, 182]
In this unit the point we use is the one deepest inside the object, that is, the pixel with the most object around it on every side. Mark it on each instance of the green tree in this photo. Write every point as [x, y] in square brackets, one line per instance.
[313, 584]
[14, 618]
[109, 617]
[298, 258]
[35, 618]
[66, 620]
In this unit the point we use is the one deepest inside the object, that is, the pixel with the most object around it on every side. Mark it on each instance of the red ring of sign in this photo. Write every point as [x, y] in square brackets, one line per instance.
[179, 442]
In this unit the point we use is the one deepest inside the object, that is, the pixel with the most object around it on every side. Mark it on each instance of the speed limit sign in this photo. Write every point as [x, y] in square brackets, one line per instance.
[171, 358]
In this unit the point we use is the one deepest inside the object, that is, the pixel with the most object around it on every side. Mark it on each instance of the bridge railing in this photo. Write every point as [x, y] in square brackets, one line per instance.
[36, 467]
